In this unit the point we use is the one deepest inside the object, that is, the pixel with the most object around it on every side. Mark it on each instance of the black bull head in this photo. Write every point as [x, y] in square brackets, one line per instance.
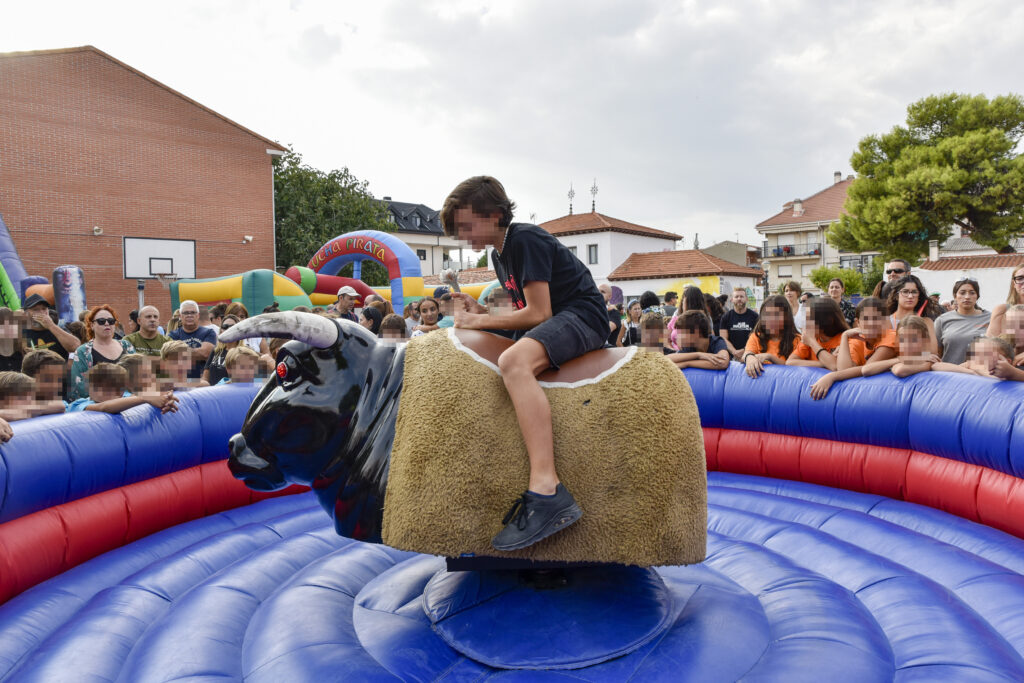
[326, 419]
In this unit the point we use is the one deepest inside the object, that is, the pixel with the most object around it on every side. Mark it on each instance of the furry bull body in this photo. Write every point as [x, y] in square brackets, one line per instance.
[331, 416]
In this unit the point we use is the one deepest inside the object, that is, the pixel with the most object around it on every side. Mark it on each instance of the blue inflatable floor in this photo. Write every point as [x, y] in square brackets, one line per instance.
[801, 583]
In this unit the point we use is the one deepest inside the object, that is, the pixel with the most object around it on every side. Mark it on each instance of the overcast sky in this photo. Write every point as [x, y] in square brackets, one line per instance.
[694, 117]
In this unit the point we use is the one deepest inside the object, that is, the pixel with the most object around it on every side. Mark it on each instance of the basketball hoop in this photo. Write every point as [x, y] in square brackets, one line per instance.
[165, 279]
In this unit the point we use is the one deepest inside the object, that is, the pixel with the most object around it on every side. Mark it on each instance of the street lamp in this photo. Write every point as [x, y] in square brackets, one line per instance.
[764, 266]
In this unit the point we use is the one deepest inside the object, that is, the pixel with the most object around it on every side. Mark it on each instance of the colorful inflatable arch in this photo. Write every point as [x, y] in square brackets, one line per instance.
[256, 289]
[391, 252]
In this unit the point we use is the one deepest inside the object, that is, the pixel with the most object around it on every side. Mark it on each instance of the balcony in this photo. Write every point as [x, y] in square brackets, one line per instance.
[802, 250]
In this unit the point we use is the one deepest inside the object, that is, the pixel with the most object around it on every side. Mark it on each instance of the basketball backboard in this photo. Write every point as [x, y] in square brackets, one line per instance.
[145, 257]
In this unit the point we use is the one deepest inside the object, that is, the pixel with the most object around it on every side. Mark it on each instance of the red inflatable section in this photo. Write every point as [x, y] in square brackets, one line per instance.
[43, 544]
[330, 284]
[970, 491]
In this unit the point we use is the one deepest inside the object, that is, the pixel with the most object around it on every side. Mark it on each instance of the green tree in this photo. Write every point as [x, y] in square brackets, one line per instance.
[482, 261]
[312, 207]
[955, 163]
[874, 274]
[852, 280]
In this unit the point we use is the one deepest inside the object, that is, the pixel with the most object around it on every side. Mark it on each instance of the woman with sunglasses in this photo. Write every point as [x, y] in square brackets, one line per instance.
[100, 347]
[907, 296]
[215, 371]
[956, 329]
[1015, 298]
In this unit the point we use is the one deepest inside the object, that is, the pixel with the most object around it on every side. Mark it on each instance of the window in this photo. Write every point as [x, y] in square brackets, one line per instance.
[805, 269]
[416, 221]
[572, 250]
[422, 253]
[786, 271]
[591, 254]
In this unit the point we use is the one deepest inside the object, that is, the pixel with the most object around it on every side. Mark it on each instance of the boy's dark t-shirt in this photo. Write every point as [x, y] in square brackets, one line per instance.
[11, 363]
[738, 326]
[533, 254]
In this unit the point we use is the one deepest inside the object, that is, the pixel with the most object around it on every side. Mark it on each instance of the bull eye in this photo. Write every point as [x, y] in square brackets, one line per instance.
[282, 370]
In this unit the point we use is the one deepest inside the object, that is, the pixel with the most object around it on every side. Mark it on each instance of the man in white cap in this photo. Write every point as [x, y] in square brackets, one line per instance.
[346, 300]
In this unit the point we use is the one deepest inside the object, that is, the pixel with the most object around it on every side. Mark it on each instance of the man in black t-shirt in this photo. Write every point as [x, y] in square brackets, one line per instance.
[559, 315]
[43, 333]
[738, 323]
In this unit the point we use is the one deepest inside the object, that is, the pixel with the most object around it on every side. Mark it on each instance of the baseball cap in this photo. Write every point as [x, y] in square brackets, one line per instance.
[440, 291]
[34, 300]
[351, 291]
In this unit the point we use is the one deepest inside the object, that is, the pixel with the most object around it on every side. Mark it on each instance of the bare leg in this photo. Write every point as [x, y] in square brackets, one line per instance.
[520, 364]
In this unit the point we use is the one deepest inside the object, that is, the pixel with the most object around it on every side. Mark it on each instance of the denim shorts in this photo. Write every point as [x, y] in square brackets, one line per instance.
[565, 336]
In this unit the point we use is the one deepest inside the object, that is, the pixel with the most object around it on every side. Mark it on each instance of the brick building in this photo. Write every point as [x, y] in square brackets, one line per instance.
[94, 151]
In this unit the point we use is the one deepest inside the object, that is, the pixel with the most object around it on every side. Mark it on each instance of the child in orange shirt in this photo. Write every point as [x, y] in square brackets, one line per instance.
[872, 339]
[823, 330]
[774, 336]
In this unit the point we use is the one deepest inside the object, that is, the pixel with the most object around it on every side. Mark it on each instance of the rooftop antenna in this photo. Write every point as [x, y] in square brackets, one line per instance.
[572, 193]
[593, 197]
[533, 218]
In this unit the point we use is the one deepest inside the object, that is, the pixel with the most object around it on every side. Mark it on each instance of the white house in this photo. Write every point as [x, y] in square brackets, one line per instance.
[794, 238]
[991, 270]
[419, 226]
[603, 243]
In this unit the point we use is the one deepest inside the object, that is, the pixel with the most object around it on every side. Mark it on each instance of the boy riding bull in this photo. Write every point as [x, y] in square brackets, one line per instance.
[558, 315]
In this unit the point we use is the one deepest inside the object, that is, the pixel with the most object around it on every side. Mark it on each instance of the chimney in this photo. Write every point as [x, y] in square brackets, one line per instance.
[849, 177]
[837, 177]
[933, 250]
[798, 207]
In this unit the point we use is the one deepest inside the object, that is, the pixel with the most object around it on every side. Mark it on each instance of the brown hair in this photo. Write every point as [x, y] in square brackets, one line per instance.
[237, 309]
[484, 194]
[652, 319]
[827, 316]
[872, 302]
[34, 361]
[787, 336]
[394, 323]
[14, 384]
[694, 321]
[794, 286]
[8, 316]
[922, 306]
[132, 363]
[108, 376]
[92, 316]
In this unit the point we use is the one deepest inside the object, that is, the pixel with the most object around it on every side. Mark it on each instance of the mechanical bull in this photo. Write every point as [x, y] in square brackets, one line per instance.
[416, 445]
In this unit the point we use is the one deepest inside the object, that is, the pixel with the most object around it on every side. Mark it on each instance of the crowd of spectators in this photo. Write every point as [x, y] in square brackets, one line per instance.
[902, 328]
[104, 363]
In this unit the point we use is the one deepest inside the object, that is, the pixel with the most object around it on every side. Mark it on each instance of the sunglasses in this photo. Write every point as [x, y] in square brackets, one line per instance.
[104, 321]
[1019, 279]
[898, 271]
[227, 327]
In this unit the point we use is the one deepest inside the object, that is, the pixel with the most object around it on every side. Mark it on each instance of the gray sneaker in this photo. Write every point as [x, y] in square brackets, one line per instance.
[534, 517]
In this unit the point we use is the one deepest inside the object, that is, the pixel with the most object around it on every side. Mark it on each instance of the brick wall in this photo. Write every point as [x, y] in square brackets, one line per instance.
[86, 141]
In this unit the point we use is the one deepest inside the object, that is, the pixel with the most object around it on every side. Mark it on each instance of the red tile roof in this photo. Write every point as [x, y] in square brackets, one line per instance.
[973, 262]
[682, 263]
[469, 276]
[579, 223]
[823, 206]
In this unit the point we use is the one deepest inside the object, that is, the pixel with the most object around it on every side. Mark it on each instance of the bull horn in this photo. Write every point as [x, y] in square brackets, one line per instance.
[315, 330]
